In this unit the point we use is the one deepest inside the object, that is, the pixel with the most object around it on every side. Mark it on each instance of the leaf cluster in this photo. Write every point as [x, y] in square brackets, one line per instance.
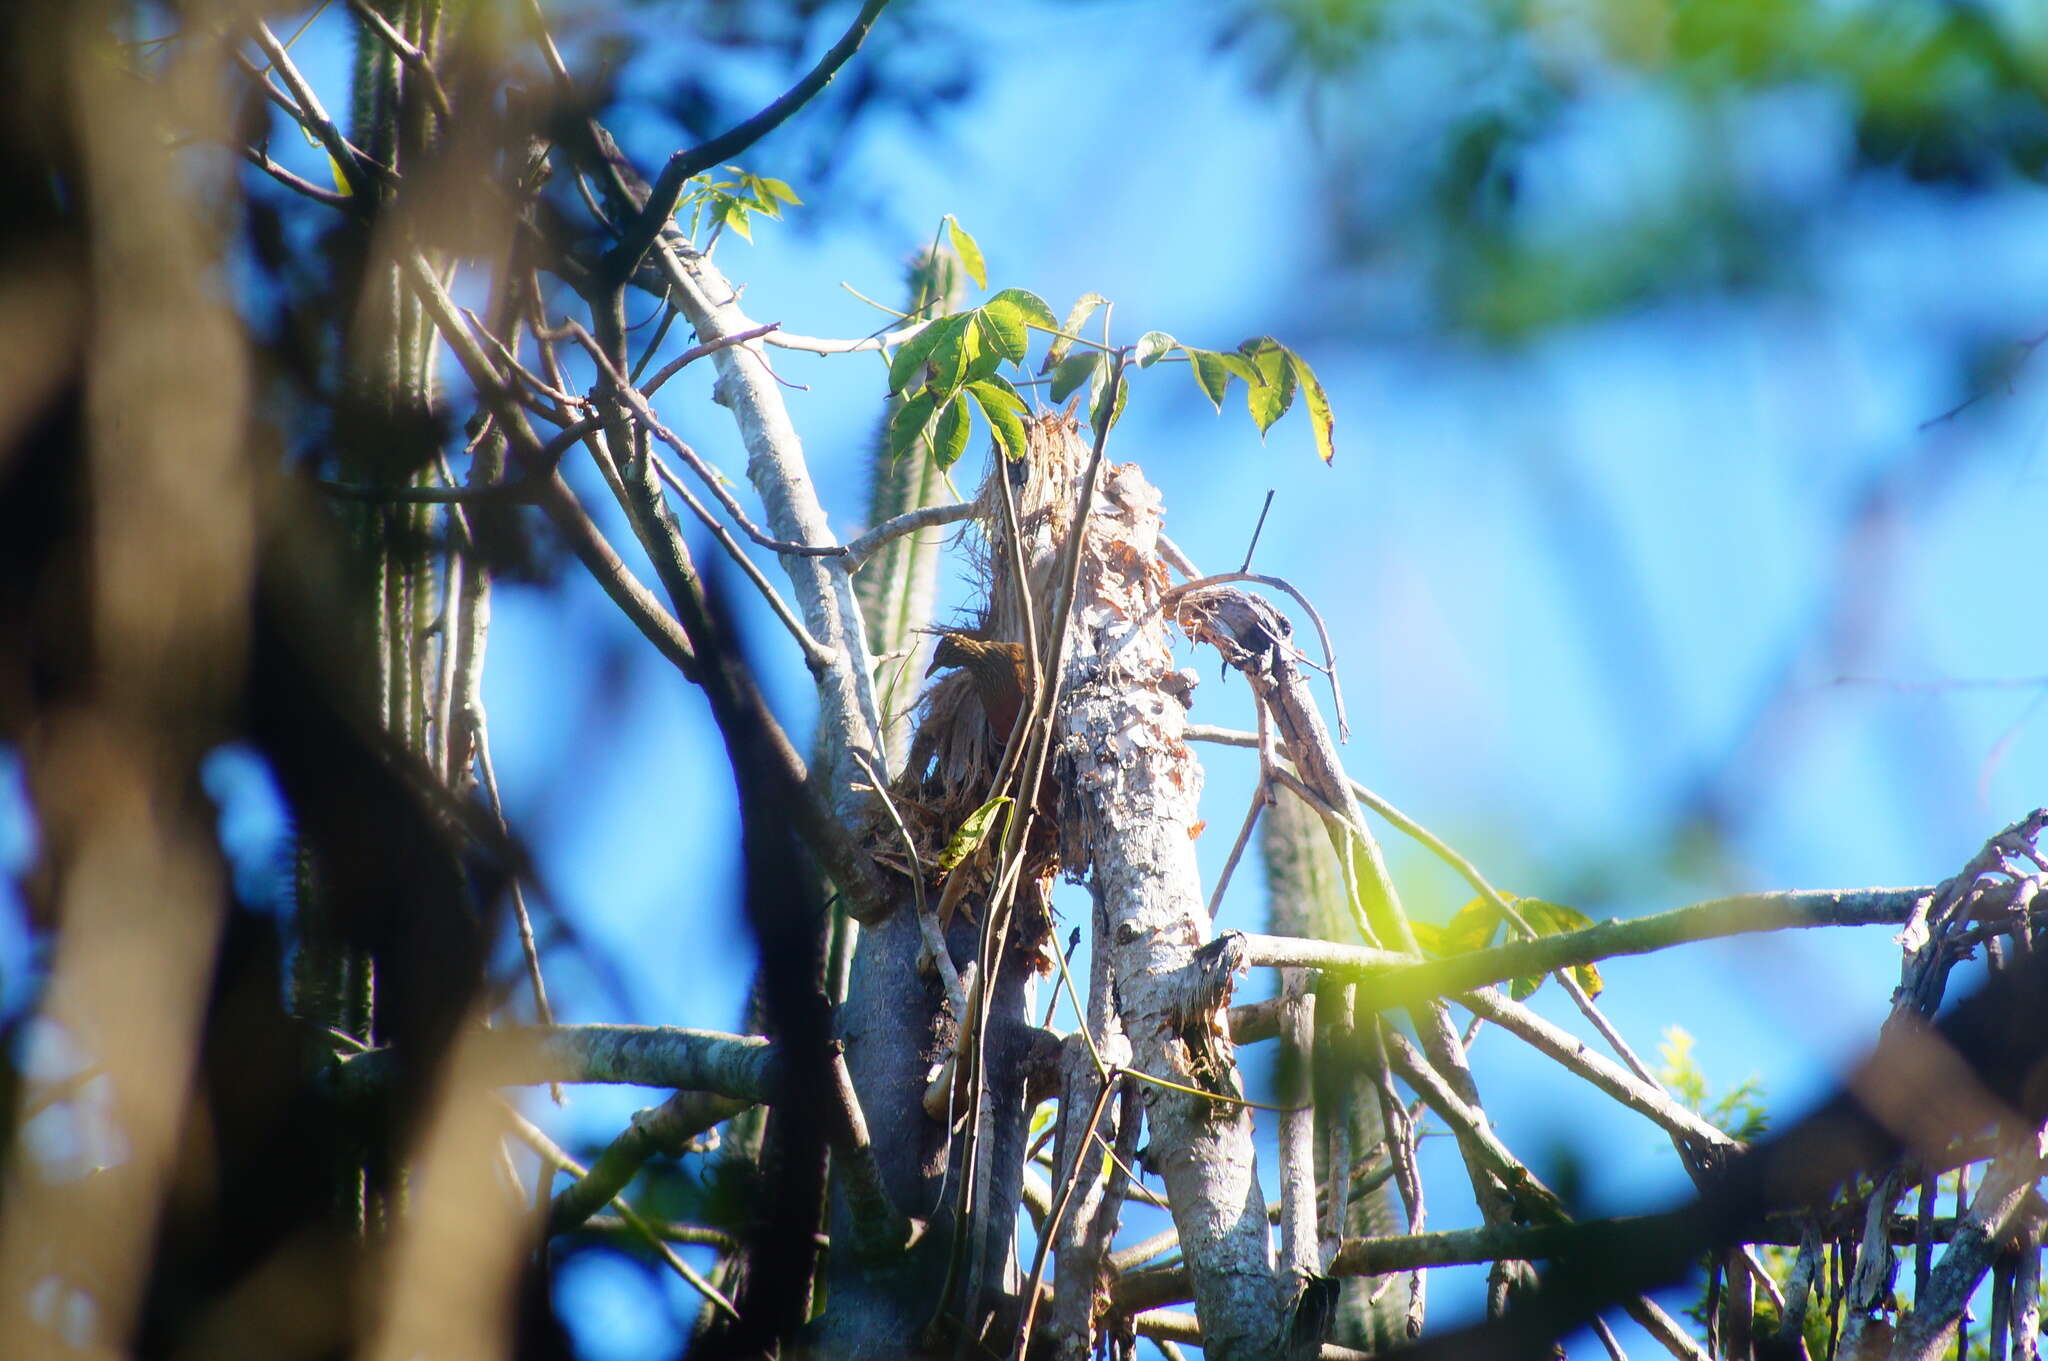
[1475, 925]
[1739, 1110]
[722, 203]
[954, 365]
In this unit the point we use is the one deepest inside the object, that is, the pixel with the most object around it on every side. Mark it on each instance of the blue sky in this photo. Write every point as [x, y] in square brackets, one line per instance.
[1563, 577]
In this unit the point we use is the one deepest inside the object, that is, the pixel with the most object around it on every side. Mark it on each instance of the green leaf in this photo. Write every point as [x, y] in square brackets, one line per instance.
[1073, 371]
[1004, 420]
[1268, 403]
[949, 439]
[1471, 927]
[1096, 389]
[1429, 936]
[1521, 989]
[909, 422]
[1152, 346]
[1003, 329]
[1212, 375]
[1084, 307]
[1030, 304]
[1552, 919]
[776, 189]
[1000, 389]
[972, 832]
[910, 357]
[970, 253]
[1243, 368]
[734, 214]
[1319, 413]
[958, 343]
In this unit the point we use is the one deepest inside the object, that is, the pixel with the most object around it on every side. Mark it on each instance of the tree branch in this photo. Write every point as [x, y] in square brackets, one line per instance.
[909, 522]
[639, 236]
[1397, 979]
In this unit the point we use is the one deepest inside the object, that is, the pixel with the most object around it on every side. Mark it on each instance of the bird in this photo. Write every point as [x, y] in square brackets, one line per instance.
[999, 674]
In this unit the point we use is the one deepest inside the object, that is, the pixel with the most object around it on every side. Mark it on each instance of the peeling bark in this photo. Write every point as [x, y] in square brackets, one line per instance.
[1129, 814]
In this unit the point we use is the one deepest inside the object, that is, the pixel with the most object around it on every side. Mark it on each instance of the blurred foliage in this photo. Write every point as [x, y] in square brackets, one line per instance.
[1739, 1110]
[743, 53]
[1528, 162]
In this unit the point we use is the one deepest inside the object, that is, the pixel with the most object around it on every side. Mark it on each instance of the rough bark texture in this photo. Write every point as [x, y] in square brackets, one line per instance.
[1131, 788]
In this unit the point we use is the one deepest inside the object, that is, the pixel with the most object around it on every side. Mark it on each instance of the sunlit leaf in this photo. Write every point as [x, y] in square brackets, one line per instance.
[1471, 927]
[1268, 402]
[1075, 370]
[1551, 919]
[958, 343]
[1000, 389]
[1003, 329]
[1320, 416]
[969, 252]
[1243, 368]
[972, 833]
[777, 189]
[1030, 304]
[949, 436]
[909, 423]
[1004, 419]
[1212, 376]
[1152, 346]
[1084, 308]
[734, 214]
[910, 357]
[1429, 936]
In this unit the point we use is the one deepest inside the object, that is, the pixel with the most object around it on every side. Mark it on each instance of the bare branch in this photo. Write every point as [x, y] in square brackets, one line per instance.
[640, 234]
[909, 522]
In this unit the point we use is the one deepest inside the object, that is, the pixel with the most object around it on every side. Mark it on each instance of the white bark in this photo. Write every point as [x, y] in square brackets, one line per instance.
[848, 718]
[1131, 788]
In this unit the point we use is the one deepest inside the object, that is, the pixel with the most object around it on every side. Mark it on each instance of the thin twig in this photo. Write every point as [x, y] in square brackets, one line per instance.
[637, 405]
[529, 951]
[697, 352]
[909, 522]
[553, 1153]
[640, 234]
[816, 656]
[1168, 598]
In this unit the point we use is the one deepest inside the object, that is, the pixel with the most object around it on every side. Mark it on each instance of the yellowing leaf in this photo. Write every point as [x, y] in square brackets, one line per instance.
[1320, 417]
[1269, 400]
[969, 252]
[972, 833]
